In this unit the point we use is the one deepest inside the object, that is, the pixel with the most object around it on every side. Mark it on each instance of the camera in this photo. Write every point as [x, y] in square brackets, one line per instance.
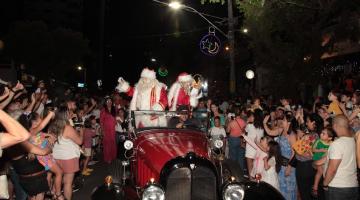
[231, 115]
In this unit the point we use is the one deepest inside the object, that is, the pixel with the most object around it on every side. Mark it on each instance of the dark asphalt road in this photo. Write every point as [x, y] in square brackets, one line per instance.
[101, 170]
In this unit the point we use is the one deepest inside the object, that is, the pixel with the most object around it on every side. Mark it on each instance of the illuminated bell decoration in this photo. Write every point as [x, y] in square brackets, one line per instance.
[163, 71]
[250, 74]
[210, 44]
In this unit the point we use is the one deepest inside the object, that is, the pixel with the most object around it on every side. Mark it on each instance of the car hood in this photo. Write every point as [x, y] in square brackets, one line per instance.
[156, 147]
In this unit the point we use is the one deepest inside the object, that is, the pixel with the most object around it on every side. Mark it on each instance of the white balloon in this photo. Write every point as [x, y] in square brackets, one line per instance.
[250, 74]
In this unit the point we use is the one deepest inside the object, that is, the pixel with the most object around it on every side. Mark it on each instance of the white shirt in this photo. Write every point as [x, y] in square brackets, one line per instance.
[216, 132]
[252, 133]
[40, 110]
[65, 149]
[96, 113]
[271, 176]
[343, 148]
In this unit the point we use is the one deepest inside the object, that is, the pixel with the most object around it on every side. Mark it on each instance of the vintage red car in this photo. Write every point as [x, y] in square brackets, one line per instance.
[168, 162]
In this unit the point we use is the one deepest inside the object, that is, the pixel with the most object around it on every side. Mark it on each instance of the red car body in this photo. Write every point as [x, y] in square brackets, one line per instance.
[155, 147]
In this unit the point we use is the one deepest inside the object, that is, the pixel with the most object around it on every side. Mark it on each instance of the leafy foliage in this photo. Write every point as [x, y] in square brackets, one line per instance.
[286, 35]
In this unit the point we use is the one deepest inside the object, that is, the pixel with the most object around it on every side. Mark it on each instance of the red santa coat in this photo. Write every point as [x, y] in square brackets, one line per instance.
[177, 97]
[154, 98]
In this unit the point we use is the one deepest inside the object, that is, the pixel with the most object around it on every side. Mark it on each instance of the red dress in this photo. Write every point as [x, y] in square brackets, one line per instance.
[108, 122]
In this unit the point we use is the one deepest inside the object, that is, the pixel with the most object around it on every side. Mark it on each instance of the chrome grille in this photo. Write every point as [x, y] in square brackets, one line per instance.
[186, 184]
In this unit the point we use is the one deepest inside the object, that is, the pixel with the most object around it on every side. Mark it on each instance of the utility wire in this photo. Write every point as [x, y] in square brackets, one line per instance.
[205, 14]
[171, 34]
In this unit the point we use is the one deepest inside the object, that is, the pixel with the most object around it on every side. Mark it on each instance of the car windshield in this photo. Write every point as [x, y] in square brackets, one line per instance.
[170, 119]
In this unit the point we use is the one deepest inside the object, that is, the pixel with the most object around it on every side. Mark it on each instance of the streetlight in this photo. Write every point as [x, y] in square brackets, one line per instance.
[81, 68]
[153, 60]
[175, 5]
[245, 30]
[230, 36]
[250, 74]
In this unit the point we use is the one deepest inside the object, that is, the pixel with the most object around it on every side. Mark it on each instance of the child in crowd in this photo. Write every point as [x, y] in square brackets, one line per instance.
[320, 149]
[272, 165]
[265, 162]
[334, 107]
[89, 133]
[33, 123]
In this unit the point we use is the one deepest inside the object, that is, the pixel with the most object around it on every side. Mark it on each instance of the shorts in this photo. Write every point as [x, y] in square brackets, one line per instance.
[69, 166]
[35, 184]
[87, 152]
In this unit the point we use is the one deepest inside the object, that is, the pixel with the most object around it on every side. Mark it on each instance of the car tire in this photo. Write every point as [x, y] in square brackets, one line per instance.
[232, 168]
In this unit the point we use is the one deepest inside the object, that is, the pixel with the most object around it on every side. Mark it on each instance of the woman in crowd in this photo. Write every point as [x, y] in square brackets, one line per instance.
[305, 172]
[215, 112]
[286, 139]
[236, 128]
[108, 123]
[32, 175]
[15, 132]
[66, 150]
[254, 130]
[35, 125]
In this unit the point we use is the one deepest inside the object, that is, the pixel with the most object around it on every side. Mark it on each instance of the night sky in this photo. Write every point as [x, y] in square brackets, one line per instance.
[141, 29]
[138, 30]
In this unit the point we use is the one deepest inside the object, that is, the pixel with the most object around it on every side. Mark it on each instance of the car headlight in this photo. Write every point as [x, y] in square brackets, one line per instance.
[128, 145]
[218, 144]
[153, 192]
[233, 192]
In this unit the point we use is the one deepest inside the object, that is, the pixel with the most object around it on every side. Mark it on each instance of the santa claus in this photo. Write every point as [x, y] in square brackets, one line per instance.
[148, 93]
[184, 92]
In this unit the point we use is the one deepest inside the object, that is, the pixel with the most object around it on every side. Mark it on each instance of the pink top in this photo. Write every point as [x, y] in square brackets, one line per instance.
[258, 167]
[88, 134]
[237, 127]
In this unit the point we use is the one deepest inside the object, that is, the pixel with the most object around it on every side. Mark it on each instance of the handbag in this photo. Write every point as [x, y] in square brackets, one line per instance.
[293, 162]
[4, 191]
[242, 140]
[286, 161]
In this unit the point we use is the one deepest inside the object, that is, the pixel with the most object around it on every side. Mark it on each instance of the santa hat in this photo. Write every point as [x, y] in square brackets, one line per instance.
[147, 73]
[184, 77]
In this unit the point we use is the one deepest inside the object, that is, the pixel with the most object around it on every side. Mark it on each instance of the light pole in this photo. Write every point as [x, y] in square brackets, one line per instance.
[81, 68]
[230, 36]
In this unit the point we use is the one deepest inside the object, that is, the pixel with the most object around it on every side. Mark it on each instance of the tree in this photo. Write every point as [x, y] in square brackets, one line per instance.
[286, 36]
[32, 43]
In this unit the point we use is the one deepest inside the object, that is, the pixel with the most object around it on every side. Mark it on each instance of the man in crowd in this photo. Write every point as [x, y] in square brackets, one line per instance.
[148, 94]
[340, 181]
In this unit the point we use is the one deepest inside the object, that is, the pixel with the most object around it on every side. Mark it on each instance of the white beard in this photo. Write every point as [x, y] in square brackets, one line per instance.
[145, 84]
[186, 86]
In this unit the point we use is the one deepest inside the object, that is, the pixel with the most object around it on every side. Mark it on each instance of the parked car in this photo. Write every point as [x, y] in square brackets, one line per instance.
[177, 164]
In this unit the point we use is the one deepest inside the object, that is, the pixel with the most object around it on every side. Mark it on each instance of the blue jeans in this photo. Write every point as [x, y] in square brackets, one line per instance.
[342, 193]
[19, 191]
[236, 152]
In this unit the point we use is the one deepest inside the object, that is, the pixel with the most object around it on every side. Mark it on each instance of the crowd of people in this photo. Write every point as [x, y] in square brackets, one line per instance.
[46, 142]
[304, 151]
